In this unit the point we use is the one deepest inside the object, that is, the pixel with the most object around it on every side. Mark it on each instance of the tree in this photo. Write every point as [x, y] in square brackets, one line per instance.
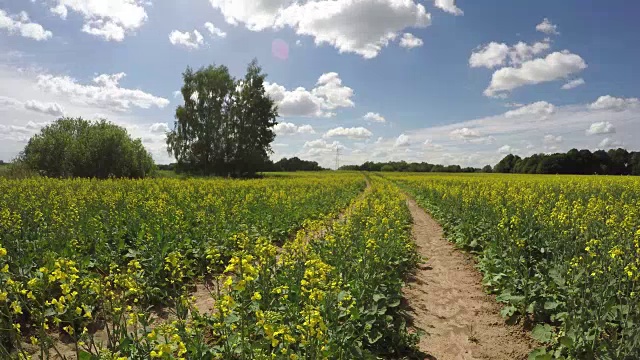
[487, 169]
[507, 164]
[74, 147]
[225, 125]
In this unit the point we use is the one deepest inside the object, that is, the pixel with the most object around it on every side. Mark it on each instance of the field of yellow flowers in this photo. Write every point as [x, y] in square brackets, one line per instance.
[562, 252]
[91, 266]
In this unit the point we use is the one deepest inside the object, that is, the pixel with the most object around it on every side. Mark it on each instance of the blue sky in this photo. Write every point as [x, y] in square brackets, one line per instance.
[443, 81]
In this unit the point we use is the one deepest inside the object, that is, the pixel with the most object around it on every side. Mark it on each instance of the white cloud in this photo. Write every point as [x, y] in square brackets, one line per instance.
[430, 145]
[107, 93]
[330, 88]
[601, 128]
[540, 108]
[60, 10]
[362, 27]
[409, 41]
[608, 102]
[329, 94]
[189, 40]
[547, 27]
[375, 117]
[449, 6]
[285, 128]
[20, 24]
[497, 54]
[464, 134]
[491, 55]
[607, 143]
[321, 147]
[552, 140]
[159, 128]
[351, 133]
[214, 30]
[522, 52]
[53, 109]
[306, 129]
[111, 20]
[402, 141]
[573, 84]
[507, 149]
[554, 66]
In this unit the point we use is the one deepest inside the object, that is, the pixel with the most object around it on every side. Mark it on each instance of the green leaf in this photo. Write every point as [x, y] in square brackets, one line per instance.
[508, 311]
[377, 297]
[542, 333]
[550, 305]
[539, 354]
[566, 341]
[557, 277]
[83, 355]
[374, 337]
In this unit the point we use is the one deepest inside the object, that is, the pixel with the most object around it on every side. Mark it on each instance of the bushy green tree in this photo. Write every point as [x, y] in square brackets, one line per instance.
[75, 147]
[225, 125]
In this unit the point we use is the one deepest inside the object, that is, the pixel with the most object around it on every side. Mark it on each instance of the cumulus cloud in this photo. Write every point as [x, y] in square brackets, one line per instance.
[507, 149]
[497, 54]
[111, 20]
[107, 92]
[409, 41]
[449, 6]
[540, 108]
[464, 134]
[552, 140]
[20, 24]
[375, 117]
[601, 128]
[286, 128]
[159, 128]
[430, 145]
[53, 109]
[189, 40]
[351, 133]
[608, 102]
[547, 27]
[402, 141]
[554, 66]
[214, 31]
[328, 94]
[608, 143]
[361, 27]
[573, 84]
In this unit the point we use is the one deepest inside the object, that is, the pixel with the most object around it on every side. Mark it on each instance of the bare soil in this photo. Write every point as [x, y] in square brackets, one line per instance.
[446, 300]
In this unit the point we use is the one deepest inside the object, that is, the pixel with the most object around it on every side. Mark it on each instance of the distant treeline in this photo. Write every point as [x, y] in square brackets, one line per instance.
[404, 166]
[284, 164]
[580, 162]
[612, 162]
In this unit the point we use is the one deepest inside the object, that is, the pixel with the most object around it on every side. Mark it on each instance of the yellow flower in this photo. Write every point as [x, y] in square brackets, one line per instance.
[17, 309]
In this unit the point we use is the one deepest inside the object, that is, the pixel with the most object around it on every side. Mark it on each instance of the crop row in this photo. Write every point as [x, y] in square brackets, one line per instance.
[563, 252]
[107, 270]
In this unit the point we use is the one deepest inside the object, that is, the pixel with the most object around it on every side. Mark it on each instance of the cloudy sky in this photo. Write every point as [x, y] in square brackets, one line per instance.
[444, 81]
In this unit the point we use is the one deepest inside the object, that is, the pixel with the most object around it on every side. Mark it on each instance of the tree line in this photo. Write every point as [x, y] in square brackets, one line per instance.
[284, 164]
[581, 162]
[403, 166]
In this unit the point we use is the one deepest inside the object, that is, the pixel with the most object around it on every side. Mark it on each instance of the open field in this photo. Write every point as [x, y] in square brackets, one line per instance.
[320, 265]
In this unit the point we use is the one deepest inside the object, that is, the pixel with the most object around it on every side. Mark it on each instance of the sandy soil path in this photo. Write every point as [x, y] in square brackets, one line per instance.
[446, 299]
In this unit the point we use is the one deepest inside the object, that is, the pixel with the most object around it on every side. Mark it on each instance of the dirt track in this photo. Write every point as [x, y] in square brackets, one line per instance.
[446, 300]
